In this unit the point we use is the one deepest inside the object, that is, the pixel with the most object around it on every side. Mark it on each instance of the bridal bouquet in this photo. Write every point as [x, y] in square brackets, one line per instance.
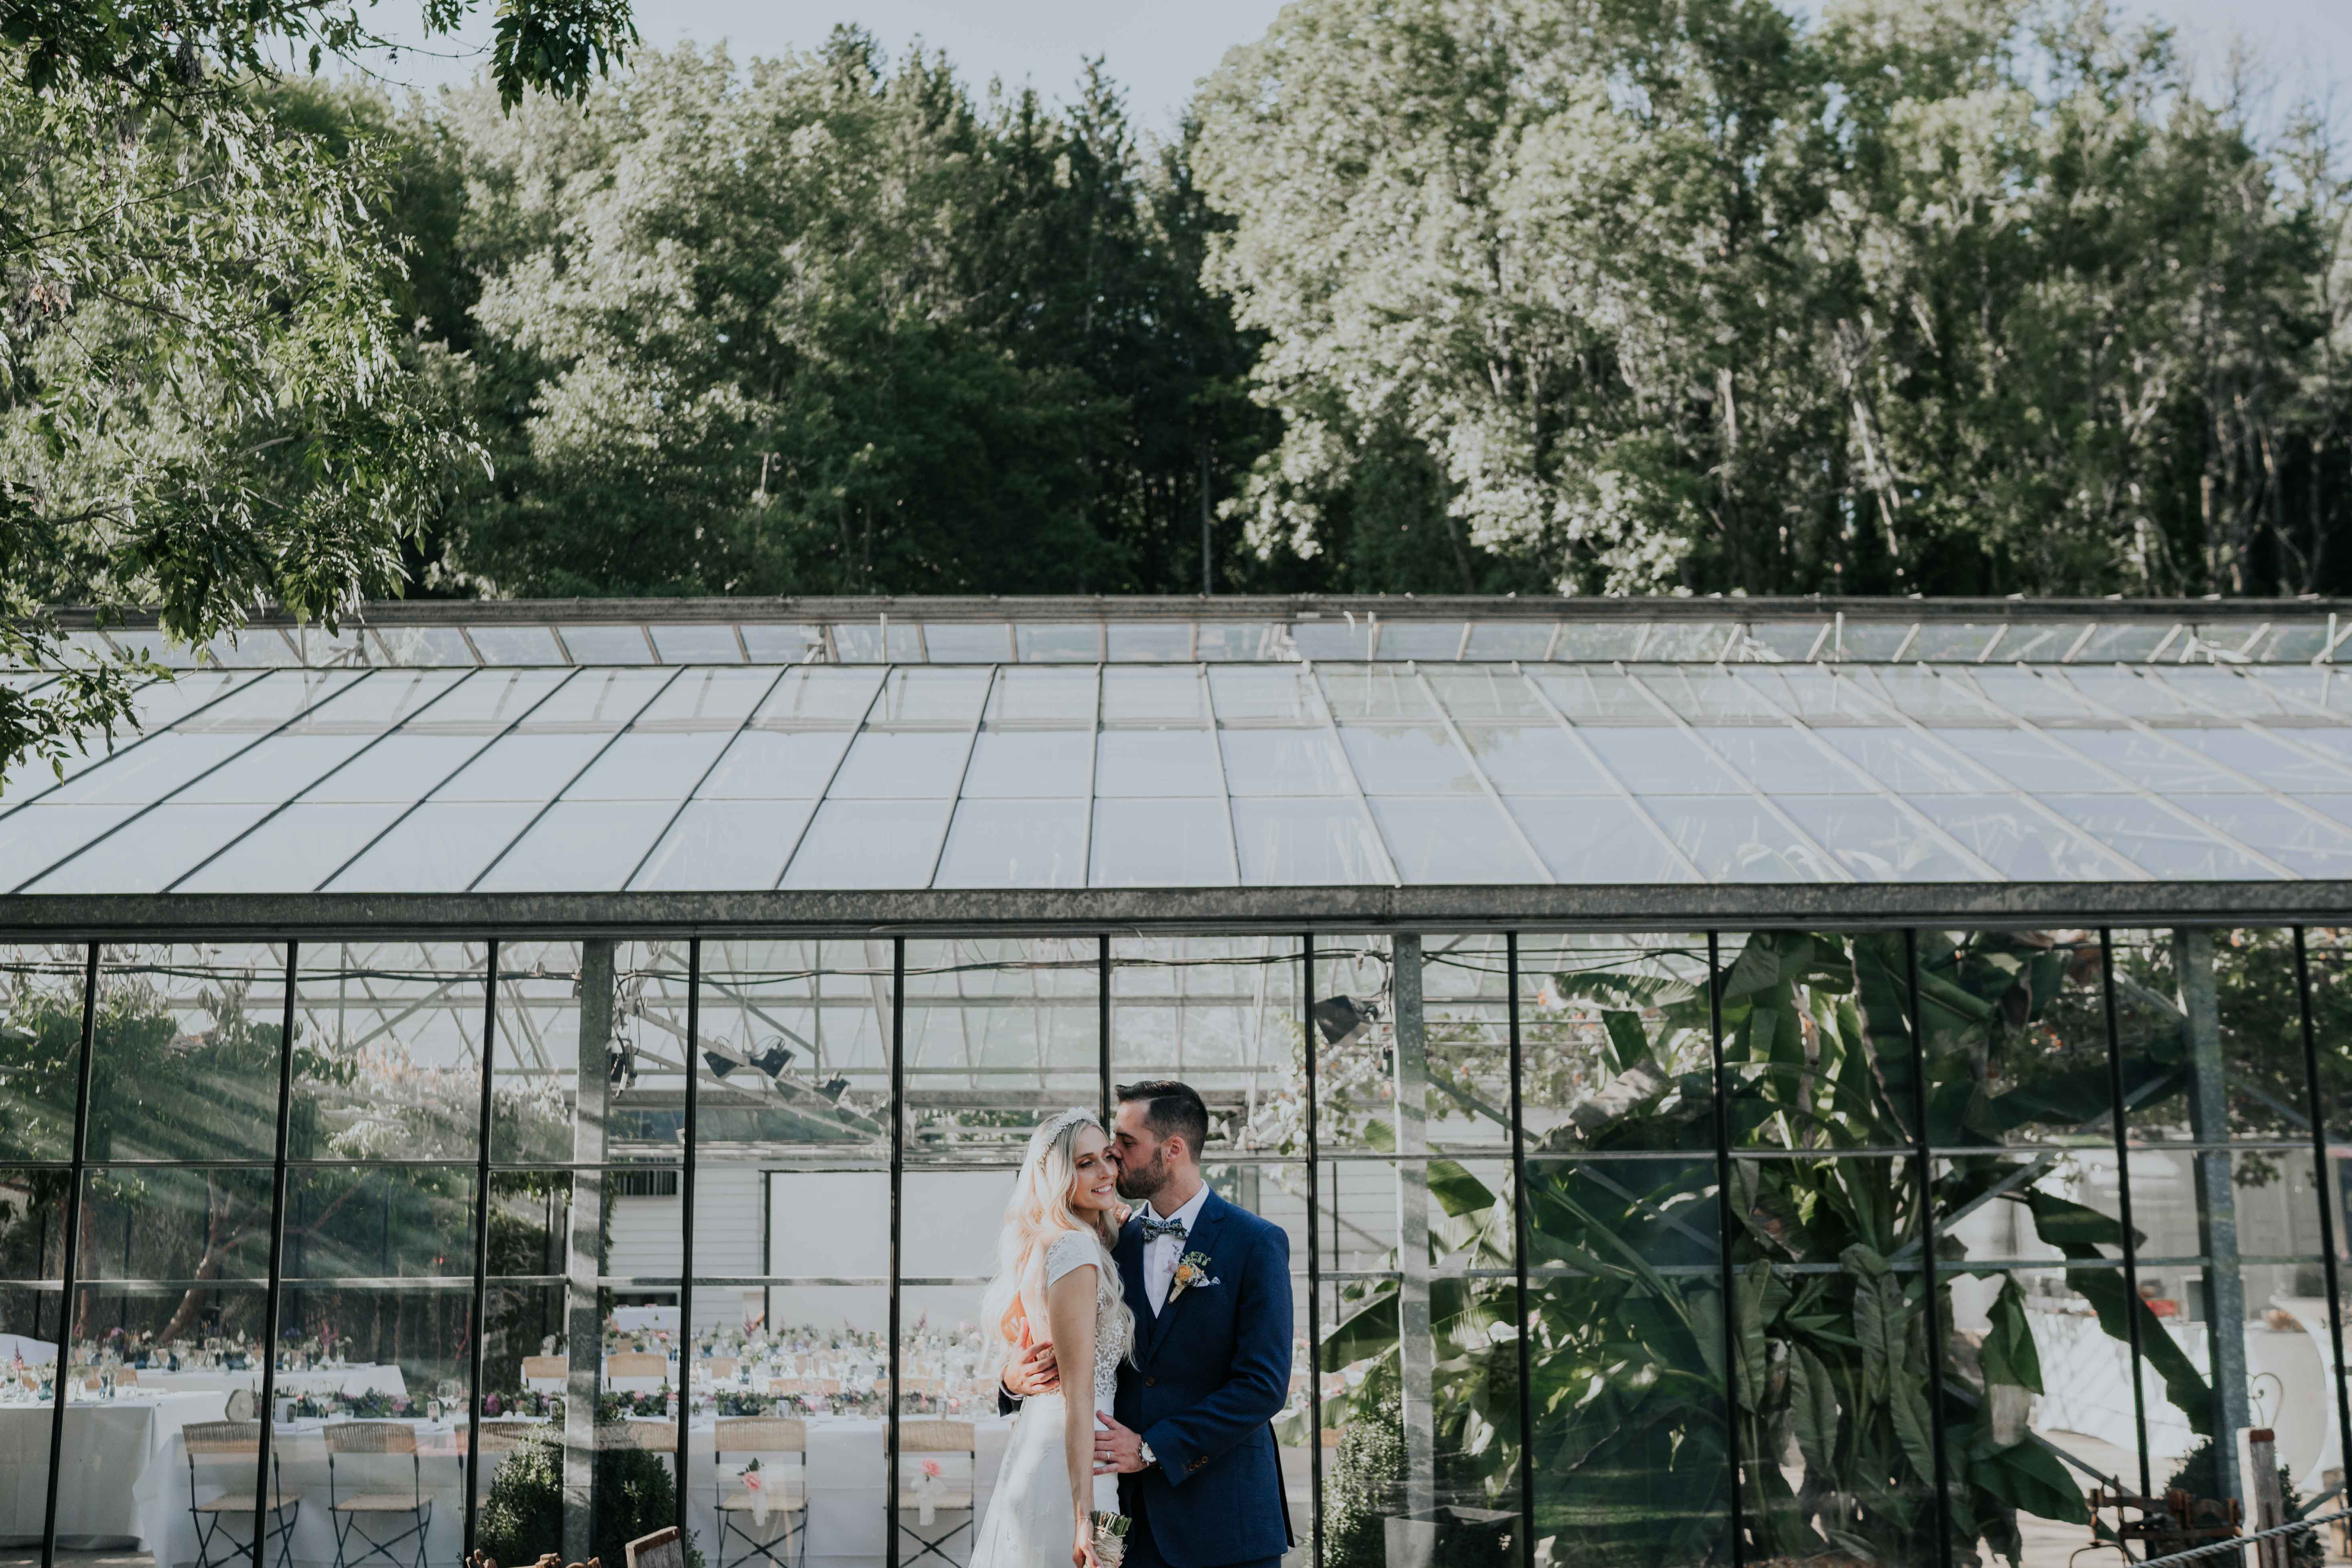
[1110, 1539]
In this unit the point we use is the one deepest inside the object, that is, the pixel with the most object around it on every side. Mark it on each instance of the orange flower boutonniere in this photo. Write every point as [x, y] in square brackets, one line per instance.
[1191, 1269]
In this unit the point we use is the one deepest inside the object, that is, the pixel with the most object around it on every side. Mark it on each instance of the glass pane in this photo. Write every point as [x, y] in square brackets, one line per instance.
[1028, 763]
[2211, 1034]
[1306, 842]
[1162, 844]
[999, 1035]
[40, 1050]
[870, 844]
[1602, 840]
[1156, 763]
[186, 1053]
[1016, 843]
[1452, 840]
[725, 844]
[1616, 1043]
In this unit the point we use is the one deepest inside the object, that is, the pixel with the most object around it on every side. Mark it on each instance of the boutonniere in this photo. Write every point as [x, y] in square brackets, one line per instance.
[1191, 1269]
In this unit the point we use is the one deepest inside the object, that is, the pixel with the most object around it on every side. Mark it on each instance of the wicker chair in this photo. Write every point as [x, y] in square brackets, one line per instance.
[546, 1373]
[210, 1444]
[631, 1371]
[355, 1515]
[924, 1436]
[763, 1437]
[662, 1549]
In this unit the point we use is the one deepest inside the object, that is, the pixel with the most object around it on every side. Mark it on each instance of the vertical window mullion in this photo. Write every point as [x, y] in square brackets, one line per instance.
[1925, 1163]
[477, 1341]
[1102, 1022]
[2132, 1308]
[2323, 1183]
[1314, 1260]
[67, 1263]
[264, 1494]
[685, 1223]
[1724, 1221]
[1520, 1230]
[898, 1180]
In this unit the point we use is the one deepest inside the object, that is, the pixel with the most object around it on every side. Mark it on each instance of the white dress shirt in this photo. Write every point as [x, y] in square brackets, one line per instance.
[1162, 1253]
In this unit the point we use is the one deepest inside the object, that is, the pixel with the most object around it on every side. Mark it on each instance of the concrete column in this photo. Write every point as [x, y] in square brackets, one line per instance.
[584, 1322]
[1416, 1351]
[2217, 1207]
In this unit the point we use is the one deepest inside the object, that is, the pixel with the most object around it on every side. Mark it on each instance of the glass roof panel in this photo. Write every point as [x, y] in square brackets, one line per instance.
[1458, 839]
[2032, 695]
[1597, 697]
[425, 645]
[769, 765]
[2297, 689]
[770, 644]
[1702, 641]
[649, 766]
[142, 775]
[599, 698]
[1909, 764]
[2020, 842]
[725, 845]
[2152, 762]
[1306, 843]
[2129, 642]
[951, 643]
[292, 851]
[1597, 841]
[1509, 639]
[1162, 844]
[1060, 699]
[1660, 761]
[1333, 639]
[37, 838]
[1016, 763]
[525, 766]
[1785, 639]
[2041, 642]
[697, 644]
[2157, 841]
[148, 852]
[1738, 840]
[1016, 843]
[1283, 761]
[1535, 759]
[1277, 693]
[2307, 848]
[1953, 642]
[439, 847]
[1877, 840]
[1058, 644]
[1601, 640]
[274, 769]
[1782, 760]
[517, 644]
[2292, 644]
[403, 767]
[819, 698]
[1154, 697]
[262, 648]
[2275, 763]
[1486, 692]
[1378, 693]
[1929, 696]
[1418, 759]
[1422, 639]
[860, 642]
[869, 844]
[1870, 639]
[1148, 764]
[1221, 641]
[2026, 760]
[1815, 694]
[902, 765]
[589, 846]
[948, 698]
[1706, 696]
[707, 699]
[1152, 641]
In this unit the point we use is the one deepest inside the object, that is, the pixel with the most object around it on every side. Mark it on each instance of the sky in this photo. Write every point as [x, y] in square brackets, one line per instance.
[1158, 50]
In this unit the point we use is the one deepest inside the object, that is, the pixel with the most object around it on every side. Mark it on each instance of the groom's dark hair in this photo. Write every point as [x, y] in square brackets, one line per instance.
[1172, 1109]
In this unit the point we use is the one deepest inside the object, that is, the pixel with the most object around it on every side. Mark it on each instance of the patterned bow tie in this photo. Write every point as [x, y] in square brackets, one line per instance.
[1153, 1229]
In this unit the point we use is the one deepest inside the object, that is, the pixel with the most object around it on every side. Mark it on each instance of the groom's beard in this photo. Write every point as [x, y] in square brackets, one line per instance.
[1142, 1183]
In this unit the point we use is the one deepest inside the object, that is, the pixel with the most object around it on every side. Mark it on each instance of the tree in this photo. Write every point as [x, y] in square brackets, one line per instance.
[206, 402]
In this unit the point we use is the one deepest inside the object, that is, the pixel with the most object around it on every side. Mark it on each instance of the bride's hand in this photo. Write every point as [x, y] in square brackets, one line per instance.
[1082, 1550]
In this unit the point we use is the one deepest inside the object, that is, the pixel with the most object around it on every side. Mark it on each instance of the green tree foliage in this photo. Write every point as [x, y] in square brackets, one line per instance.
[1964, 296]
[827, 324]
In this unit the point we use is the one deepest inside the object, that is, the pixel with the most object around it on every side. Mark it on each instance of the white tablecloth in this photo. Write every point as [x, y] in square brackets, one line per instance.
[384, 1379]
[123, 1458]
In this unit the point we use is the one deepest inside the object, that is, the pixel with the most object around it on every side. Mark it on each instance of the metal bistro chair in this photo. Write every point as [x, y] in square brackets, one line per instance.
[546, 1373]
[354, 1514]
[765, 1437]
[932, 1436]
[662, 1549]
[211, 1442]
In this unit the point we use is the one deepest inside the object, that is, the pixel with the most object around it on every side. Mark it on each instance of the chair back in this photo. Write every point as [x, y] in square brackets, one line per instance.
[636, 1363]
[759, 1434]
[546, 1366]
[638, 1432]
[503, 1436]
[662, 1549]
[239, 1438]
[931, 1434]
[369, 1438]
[720, 1368]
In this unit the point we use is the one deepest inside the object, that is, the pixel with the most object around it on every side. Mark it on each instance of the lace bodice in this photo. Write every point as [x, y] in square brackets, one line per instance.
[1114, 1326]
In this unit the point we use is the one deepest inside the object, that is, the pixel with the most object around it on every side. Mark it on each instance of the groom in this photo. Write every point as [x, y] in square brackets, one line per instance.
[1210, 1287]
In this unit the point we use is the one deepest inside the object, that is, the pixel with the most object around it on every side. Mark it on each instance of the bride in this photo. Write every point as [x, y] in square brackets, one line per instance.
[1056, 1284]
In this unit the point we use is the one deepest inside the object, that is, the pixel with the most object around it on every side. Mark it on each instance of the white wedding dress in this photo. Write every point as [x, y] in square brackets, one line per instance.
[1029, 1523]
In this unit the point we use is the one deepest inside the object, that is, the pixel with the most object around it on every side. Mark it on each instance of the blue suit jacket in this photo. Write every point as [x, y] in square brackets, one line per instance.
[1209, 1374]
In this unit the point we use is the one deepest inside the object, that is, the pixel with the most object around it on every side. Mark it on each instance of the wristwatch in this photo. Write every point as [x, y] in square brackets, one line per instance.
[1149, 1458]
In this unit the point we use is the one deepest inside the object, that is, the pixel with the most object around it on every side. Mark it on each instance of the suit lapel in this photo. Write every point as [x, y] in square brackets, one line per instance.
[1128, 1256]
[1201, 1239]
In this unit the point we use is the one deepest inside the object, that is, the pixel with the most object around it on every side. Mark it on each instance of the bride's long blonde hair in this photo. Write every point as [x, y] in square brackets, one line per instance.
[1037, 1215]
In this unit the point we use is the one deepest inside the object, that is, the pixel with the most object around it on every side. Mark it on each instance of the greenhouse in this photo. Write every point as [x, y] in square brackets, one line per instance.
[1745, 1082]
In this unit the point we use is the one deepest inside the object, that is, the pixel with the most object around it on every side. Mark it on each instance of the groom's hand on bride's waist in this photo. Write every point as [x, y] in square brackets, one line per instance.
[1033, 1372]
[1118, 1451]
